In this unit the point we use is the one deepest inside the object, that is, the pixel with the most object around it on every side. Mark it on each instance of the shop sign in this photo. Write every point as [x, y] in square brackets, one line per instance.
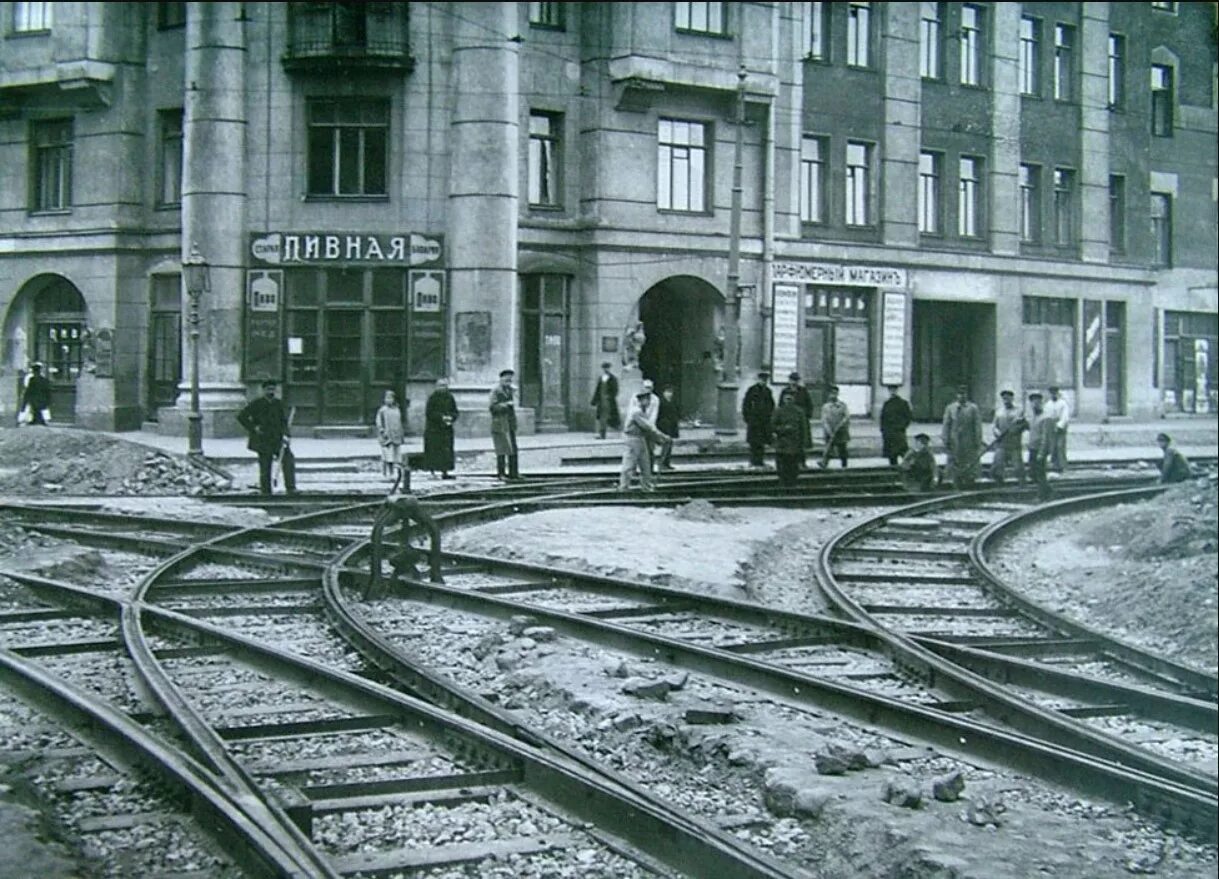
[321, 248]
[264, 344]
[837, 275]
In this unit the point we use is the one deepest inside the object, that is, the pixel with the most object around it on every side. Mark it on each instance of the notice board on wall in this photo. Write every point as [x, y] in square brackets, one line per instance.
[264, 339]
[851, 353]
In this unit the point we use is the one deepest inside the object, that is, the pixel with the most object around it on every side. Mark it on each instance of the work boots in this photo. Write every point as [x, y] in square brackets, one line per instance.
[514, 472]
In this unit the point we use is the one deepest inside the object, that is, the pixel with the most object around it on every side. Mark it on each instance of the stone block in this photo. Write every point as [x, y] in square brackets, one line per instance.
[642, 688]
[901, 792]
[948, 788]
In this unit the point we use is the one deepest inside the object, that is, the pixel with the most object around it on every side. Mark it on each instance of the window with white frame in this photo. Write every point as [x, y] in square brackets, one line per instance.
[859, 23]
[1064, 62]
[1030, 56]
[1030, 203]
[1161, 100]
[1161, 229]
[545, 157]
[681, 165]
[969, 198]
[971, 45]
[929, 64]
[1117, 71]
[51, 165]
[700, 18]
[546, 15]
[929, 193]
[31, 17]
[813, 156]
[817, 27]
[858, 184]
[348, 147]
[1064, 207]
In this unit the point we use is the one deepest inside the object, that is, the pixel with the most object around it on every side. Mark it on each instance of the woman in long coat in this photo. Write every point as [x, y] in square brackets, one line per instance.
[439, 415]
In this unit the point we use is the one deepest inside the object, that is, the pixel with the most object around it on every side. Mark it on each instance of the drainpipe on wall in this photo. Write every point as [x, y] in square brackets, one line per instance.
[768, 235]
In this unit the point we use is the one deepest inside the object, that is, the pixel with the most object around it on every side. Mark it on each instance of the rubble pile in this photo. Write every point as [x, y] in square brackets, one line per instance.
[52, 460]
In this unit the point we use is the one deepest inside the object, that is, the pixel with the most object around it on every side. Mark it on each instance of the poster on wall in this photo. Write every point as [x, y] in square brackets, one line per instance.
[785, 328]
[472, 331]
[426, 345]
[893, 339]
[851, 353]
[264, 341]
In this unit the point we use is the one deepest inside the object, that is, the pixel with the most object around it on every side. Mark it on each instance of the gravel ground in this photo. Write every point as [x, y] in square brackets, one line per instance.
[1143, 572]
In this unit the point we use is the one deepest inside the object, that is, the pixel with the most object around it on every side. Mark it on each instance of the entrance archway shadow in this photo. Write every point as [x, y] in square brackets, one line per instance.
[681, 316]
[47, 322]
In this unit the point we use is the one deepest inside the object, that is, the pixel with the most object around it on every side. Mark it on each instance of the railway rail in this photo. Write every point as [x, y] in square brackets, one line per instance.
[312, 567]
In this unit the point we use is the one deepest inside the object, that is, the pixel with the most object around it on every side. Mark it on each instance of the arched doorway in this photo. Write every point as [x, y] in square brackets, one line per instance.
[48, 321]
[681, 318]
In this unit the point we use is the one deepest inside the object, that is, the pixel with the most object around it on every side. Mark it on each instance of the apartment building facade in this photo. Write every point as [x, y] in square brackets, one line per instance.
[923, 194]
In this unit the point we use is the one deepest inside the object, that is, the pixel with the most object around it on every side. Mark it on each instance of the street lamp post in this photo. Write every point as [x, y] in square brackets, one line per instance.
[727, 390]
[198, 281]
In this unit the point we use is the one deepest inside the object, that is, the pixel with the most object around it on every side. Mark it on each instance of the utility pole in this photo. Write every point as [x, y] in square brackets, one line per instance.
[725, 422]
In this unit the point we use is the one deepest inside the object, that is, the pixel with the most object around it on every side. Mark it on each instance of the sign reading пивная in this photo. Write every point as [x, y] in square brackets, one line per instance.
[306, 248]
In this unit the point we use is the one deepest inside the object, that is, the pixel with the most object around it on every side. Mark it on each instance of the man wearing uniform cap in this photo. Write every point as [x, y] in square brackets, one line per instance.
[835, 428]
[895, 417]
[804, 401]
[757, 409]
[502, 404]
[1007, 429]
[1041, 444]
[962, 435]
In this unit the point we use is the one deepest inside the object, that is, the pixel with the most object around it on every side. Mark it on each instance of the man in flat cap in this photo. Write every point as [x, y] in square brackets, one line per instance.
[605, 401]
[638, 433]
[895, 417]
[757, 409]
[502, 404]
[1007, 430]
[835, 428]
[1060, 410]
[804, 401]
[962, 435]
[1041, 444]
[268, 425]
[918, 466]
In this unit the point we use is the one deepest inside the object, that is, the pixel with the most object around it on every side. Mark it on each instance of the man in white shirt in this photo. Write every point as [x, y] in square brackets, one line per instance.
[638, 433]
[1058, 410]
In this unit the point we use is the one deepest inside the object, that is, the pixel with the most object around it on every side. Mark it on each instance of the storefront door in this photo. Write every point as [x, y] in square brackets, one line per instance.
[164, 344]
[543, 379]
[1115, 358]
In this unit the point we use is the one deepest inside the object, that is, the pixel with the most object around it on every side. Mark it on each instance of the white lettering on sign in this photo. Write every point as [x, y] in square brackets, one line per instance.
[893, 340]
[279, 248]
[836, 275]
[785, 329]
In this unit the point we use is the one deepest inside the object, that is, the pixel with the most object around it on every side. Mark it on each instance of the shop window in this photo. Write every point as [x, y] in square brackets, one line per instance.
[700, 18]
[51, 165]
[929, 193]
[859, 34]
[817, 25]
[348, 148]
[545, 158]
[1030, 56]
[1048, 342]
[169, 164]
[930, 49]
[971, 45]
[813, 156]
[681, 166]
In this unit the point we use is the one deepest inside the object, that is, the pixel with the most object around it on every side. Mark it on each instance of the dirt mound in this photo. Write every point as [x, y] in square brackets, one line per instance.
[57, 460]
[703, 511]
[1178, 524]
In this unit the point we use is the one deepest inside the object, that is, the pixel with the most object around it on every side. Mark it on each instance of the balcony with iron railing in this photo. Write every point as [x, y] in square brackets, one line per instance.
[331, 36]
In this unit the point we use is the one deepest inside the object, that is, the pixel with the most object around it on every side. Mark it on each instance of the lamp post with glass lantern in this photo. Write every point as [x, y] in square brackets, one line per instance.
[197, 275]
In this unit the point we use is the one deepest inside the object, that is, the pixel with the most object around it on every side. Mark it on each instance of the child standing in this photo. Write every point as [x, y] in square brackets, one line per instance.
[389, 434]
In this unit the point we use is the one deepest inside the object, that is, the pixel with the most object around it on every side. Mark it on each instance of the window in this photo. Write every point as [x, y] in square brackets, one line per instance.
[1064, 207]
[971, 45]
[818, 31]
[702, 18]
[968, 197]
[681, 166]
[1030, 56]
[858, 188]
[929, 66]
[51, 165]
[169, 165]
[1030, 203]
[1064, 62]
[813, 152]
[1117, 214]
[1117, 72]
[1163, 6]
[545, 157]
[31, 17]
[171, 15]
[1161, 229]
[546, 15]
[929, 193]
[348, 145]
[858, 34]
[1161, 100]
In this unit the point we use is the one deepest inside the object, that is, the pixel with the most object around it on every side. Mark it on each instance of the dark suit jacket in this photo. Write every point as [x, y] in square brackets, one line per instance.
[266, 421]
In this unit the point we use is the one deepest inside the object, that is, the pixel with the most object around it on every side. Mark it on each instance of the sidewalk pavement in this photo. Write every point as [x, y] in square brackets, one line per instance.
[1087, 441]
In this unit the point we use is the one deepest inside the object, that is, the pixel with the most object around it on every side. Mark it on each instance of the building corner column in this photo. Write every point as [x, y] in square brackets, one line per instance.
[1094, 133]
[903, 94]
[1004, 172]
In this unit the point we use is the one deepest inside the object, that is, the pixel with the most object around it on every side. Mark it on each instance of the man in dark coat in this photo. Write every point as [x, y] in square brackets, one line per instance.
[758, 410]
[37, 394]
[605, 401]
[804, 400]
[439, 415]
[668, 422]
[918, 466]
[1175, 466]
[502, 403]
[789, 426]
[895, 417]
[266, 421]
